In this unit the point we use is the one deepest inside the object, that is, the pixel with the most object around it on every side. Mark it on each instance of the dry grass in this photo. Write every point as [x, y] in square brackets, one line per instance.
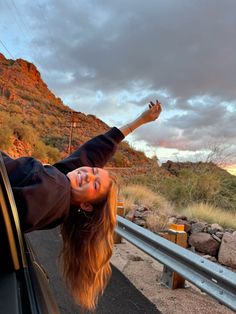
[157, 222]
[211, 214]
[141, 195]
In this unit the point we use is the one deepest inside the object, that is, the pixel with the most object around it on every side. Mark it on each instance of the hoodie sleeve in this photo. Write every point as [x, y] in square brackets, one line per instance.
[42, 193]
[94, 153]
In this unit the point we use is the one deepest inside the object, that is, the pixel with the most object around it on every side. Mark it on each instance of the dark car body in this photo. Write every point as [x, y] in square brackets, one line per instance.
[24, 285]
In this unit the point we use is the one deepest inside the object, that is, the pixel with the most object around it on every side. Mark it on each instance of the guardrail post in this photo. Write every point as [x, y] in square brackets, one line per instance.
[177, 235]
[121, 212]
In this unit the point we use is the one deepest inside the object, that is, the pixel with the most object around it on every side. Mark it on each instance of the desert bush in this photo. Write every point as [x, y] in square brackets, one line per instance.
[211, 214]
[14, 108]
[53, 154]
[59, 142]
[40, 151]
[118, 159]
[46, 153]
[23, 131]
[5, 137]
[141, 195]
[157, 222]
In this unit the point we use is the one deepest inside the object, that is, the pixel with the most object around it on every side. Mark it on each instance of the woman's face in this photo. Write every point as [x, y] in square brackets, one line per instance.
[88, 184]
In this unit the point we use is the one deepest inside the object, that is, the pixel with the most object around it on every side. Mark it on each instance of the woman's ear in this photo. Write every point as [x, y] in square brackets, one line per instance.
[86, 206]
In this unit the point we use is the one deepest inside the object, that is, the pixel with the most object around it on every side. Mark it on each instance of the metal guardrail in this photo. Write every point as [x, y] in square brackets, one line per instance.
[214, 279]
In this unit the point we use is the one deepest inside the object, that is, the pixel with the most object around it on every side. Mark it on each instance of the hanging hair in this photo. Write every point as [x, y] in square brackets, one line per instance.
[87, 248]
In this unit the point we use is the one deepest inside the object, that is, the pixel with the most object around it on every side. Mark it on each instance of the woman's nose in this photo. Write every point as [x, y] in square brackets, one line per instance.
[89, 177]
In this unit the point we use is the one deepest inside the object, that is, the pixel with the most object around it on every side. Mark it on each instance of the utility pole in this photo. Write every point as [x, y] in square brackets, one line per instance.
[73, 121]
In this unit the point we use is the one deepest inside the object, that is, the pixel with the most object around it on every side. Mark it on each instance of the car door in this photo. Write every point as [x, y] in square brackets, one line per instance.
[24, 285]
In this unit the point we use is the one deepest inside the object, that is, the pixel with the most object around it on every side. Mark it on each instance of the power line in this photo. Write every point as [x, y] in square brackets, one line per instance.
[4, 46]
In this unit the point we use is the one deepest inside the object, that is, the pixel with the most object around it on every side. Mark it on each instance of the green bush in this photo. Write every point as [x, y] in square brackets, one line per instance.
[40, 151]
[5, 137]
[23, 131]
[53, 154]
[46, 153]
[118, 159]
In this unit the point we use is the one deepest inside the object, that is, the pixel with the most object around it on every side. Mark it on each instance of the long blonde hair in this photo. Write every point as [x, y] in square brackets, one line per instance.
[87, 248]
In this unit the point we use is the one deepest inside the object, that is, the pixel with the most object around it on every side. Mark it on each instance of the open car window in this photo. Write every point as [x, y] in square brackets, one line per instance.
[24, 287]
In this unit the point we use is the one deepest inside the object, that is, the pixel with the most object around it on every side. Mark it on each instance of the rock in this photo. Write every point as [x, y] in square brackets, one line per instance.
[2, 58]
[193, 220]
[135, 258]
[214, 228]
[130, 215]
[229, 230]
[203, 242]
[172, 220]
[147, 213]
[182, 217]
[219, 234]
[210, 258]
[227, 252]
[138, 214]
[140, 222]
[198, 227]
[141, 208]
[216, 238]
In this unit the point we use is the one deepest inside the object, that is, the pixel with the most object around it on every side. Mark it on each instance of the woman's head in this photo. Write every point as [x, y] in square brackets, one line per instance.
[88, 242]
[89, 185]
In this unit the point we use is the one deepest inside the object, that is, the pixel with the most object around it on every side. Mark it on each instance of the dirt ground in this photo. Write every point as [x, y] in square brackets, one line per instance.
[145, 273]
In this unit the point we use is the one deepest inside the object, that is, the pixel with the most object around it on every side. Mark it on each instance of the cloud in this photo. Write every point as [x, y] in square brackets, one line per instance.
[110, 58]
[187, 47]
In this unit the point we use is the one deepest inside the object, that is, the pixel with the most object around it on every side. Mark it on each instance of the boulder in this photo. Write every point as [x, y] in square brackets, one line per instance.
[219, 234]
[140, 222]
[172, 220]
[210, 258]
[203, 242]
[130, 215]
[213, 228]
[182, 217]
[193, 220]
[227, 252]
[198, 227]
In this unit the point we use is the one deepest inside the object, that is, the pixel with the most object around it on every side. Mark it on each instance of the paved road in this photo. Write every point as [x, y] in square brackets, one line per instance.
[120, 297]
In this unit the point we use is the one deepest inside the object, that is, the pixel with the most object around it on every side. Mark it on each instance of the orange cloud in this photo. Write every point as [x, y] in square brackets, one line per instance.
[231, 169]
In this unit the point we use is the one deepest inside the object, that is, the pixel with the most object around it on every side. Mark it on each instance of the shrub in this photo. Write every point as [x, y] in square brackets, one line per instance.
[23, 131]
[5, 137]
[46, 153]
[157, 222]
[53, 154]
[40, 151]
[141, 195]
[211, 214]
[118, 159]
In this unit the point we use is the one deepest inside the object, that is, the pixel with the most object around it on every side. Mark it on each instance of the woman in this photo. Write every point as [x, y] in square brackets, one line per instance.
[77, 193]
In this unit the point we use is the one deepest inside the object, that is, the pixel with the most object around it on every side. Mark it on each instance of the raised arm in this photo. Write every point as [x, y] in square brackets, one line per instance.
[97, 151]
[147, 116]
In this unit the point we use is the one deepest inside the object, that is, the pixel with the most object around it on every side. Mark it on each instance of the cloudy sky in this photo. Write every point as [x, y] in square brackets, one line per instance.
[110, 58]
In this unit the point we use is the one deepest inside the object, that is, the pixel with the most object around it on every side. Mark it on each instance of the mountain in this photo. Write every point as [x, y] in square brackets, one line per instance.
[43, 122]
[34, 122]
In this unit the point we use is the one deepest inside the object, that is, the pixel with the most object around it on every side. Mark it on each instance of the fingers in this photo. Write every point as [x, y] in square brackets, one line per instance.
[157, 104]
[151, 104]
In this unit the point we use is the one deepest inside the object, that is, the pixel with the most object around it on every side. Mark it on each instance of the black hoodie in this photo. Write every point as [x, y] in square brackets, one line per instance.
[42, 192]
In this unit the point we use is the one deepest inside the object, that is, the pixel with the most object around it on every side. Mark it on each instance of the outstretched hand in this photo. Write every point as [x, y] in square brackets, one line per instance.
[152, 113]
[148, 115]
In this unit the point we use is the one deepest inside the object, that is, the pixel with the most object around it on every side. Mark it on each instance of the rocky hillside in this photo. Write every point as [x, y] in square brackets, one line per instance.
[43, 122]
